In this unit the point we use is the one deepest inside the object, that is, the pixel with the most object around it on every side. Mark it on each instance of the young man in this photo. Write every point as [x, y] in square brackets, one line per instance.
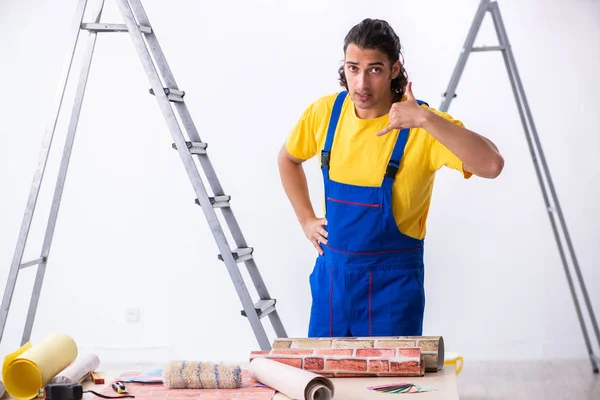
[379, 149]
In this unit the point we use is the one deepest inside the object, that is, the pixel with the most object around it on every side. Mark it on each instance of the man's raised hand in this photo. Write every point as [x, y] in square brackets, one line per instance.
[404, 114]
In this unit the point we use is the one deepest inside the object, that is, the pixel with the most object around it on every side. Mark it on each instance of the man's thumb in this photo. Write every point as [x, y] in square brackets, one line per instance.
[409, 93]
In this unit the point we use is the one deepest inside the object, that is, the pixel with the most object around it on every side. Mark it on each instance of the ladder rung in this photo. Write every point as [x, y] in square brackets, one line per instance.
[31, 263]
[218, 201]
[488, 48]
[172, 94]
[112, 27]
[194, 147]
[240, 255]
[263, 308]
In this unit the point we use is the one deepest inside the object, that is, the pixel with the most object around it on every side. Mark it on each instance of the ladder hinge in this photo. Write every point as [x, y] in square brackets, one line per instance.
[263, 308]
[240, 255]
[217, 201]
[194, 147]
[172, 94]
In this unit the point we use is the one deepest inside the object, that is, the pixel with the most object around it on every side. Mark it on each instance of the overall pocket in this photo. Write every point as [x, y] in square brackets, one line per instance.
[354, 226]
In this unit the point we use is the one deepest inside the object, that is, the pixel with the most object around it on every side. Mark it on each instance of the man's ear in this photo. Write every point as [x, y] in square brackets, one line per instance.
[395, 69]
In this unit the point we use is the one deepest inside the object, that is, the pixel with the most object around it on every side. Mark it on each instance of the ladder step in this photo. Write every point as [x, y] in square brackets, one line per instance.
[194, 147]
[218, 201]
[172, 94]
[240, 255]
[488, 48]
[263, 308]
[31, 263]
[112, 28]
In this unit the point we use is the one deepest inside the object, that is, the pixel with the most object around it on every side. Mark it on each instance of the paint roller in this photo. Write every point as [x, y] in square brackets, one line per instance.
[202, 375]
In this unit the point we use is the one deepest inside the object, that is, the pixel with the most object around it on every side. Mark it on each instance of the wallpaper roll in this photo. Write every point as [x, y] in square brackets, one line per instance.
[432, 347]
[293, 382]
[345, 363]
[32, 367]
[79, 370]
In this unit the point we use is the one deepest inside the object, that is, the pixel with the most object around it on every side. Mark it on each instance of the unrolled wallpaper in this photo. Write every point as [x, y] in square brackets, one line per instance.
[149, 386]
[292, 382]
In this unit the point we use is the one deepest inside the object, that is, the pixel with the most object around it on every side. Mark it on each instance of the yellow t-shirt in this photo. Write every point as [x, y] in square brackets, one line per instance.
[359, 157]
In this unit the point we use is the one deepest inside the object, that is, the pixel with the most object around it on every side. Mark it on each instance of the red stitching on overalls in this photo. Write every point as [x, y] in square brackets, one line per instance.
[354, 203]
[374, 252]
[370, 293]
[331, 303]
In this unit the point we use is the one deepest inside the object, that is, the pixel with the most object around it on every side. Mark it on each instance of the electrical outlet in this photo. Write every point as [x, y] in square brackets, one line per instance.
[132, 315]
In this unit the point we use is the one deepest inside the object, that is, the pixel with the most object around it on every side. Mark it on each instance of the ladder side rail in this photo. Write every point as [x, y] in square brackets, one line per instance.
[40, 170]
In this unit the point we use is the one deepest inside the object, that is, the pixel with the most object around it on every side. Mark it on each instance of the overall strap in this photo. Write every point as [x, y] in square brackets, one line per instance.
[398, 152]
[333, 121]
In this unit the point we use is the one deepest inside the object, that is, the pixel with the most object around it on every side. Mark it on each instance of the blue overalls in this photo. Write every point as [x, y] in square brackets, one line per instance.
[369, 281]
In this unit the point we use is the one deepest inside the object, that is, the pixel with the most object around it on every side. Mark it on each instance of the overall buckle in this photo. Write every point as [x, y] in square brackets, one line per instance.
[392, 169]
[325, 159]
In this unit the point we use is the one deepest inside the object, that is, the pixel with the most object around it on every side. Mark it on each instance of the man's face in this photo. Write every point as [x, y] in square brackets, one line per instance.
[369, 75]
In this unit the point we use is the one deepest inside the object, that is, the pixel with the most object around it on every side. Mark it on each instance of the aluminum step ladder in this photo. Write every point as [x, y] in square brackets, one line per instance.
[551, 202]
[171, 103]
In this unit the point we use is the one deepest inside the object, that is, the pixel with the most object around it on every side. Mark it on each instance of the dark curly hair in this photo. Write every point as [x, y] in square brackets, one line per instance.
[378, 35]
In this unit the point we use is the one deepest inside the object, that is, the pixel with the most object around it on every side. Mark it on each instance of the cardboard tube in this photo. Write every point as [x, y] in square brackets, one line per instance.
[32, 367]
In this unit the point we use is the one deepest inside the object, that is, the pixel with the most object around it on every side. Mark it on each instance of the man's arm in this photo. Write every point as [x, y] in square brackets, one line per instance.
[295, 186]
[294, 183]
[477, 153]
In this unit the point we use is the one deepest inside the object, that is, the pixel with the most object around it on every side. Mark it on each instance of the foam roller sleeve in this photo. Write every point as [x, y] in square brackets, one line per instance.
[202, 375]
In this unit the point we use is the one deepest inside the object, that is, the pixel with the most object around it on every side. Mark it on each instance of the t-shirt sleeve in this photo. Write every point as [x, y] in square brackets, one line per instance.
[442, 156]
[301, 142]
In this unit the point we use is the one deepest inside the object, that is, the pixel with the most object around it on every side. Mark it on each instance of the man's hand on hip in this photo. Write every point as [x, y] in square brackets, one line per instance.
[315, 232]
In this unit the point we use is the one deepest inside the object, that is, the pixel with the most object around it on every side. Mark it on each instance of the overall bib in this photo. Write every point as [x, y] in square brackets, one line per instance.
[369, 281]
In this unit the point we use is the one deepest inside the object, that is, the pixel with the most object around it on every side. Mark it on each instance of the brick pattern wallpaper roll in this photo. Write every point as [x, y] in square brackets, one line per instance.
[351, 362]
[431, 347]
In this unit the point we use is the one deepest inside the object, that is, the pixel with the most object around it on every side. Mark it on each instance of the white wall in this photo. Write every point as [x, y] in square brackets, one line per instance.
[130, 236]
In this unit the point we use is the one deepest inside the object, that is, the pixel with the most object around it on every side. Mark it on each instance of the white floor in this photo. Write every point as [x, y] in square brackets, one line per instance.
[539, 380]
